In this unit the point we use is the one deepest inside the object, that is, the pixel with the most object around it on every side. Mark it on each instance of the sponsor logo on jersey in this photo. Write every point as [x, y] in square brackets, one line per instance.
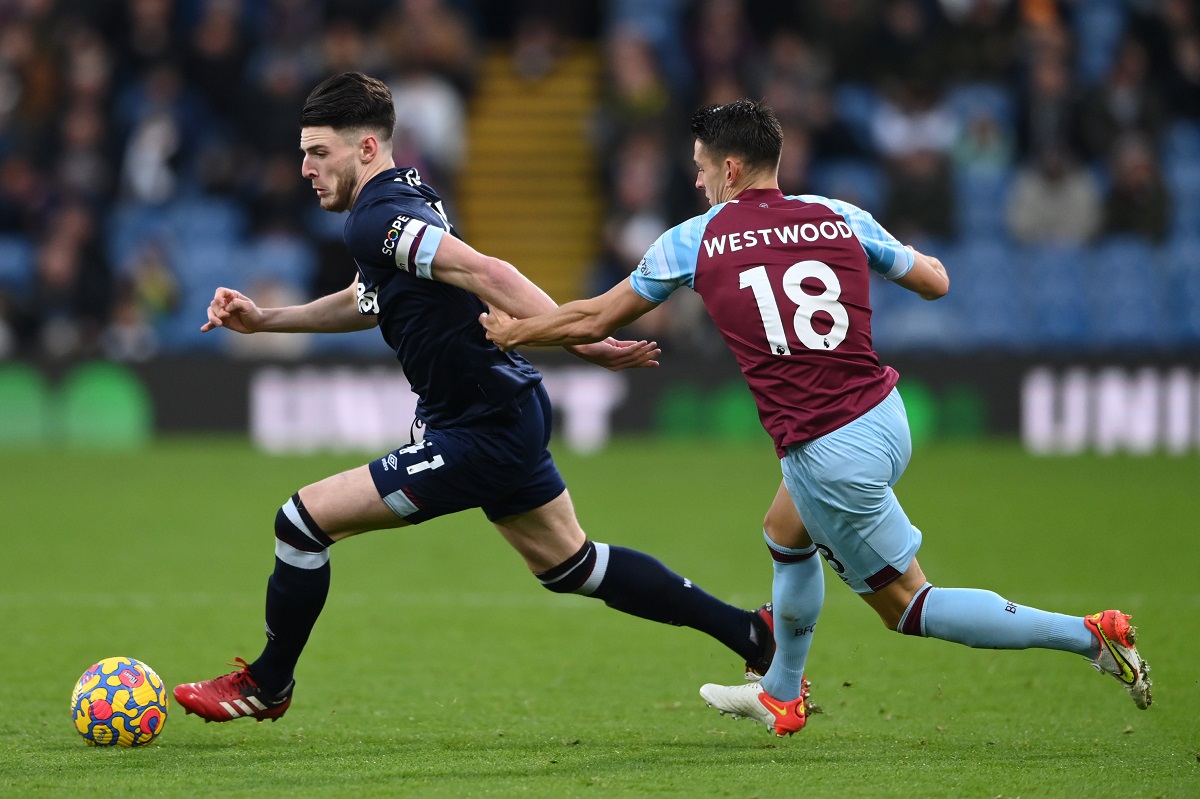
[393, 234]
[368, 301]
[643, 268]
[410, 176]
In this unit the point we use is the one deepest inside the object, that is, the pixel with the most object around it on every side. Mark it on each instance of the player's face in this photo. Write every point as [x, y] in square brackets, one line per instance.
[709, 175]
[331, 163]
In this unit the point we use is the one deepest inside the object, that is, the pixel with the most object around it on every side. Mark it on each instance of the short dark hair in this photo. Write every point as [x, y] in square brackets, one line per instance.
[348, 101]
[744, 128]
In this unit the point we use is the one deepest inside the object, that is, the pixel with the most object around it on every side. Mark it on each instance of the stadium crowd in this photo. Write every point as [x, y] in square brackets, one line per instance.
[1047, 150]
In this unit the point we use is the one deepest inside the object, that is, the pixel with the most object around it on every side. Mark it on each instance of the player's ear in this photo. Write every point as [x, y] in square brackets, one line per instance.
[733, 171]
[368, 148]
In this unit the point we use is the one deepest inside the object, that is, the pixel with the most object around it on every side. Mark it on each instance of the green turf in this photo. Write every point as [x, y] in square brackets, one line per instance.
[441, 669]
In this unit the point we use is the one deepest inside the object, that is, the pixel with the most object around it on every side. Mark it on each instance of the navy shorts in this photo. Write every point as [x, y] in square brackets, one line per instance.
[500, 465]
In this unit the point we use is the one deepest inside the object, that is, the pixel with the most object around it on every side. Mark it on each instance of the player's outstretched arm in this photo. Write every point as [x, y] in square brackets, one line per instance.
[509, 293]
[927, 278]
[579, 322]
[333, 313]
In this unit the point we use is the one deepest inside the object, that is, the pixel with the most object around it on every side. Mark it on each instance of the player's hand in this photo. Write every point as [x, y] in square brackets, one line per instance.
[499, 327]
[616, 355]
[233, 310]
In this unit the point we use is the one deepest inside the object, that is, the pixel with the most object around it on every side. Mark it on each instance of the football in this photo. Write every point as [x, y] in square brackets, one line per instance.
[119, 702]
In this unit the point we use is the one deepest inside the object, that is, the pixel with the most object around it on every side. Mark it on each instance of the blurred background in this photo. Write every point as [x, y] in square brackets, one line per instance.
[1048, 152]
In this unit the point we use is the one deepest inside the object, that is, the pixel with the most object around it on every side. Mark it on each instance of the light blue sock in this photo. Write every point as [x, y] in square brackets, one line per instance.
[797, 594]
[985, 620]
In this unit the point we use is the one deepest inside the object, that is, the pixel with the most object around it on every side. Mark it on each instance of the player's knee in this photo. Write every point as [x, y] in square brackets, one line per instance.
[579, 574]
[299, 541]
[892, 620]
[785, 528]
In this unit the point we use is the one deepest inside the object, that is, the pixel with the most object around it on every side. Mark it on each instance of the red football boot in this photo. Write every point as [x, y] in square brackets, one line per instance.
[233, 696]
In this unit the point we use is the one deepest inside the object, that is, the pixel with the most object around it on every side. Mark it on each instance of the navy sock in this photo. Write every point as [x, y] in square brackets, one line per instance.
[635, 583]
[296, 593]
[295, 598]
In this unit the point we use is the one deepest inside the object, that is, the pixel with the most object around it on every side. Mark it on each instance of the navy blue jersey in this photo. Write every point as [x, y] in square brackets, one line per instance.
[457, 374]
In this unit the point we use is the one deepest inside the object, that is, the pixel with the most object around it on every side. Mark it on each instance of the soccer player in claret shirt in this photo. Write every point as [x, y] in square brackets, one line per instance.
[785, 279]
[486, 415]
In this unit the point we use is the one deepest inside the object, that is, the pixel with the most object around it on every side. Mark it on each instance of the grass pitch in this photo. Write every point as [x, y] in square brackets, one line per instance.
[440, 668]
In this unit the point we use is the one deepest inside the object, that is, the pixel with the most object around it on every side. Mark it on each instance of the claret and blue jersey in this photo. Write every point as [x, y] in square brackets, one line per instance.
[786, 281]
[458, 375]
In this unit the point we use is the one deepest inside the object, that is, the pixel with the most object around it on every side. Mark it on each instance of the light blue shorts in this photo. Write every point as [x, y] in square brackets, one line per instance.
[842, 484]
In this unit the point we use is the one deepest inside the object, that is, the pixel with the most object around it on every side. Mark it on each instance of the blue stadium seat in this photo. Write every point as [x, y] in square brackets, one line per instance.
[980, 199]
[323, 225]
[129, 227]
[901, 321]
[1185, 216]
[17, 265]
[1099, 26]
[859, 182]
[1054, 280]
[1180, 260]
[285, 259]
[199, 269]
[205, 265]
[1183, 181]
[1127, 295]
[985, 284]
[180, 332]
[1181, 142]
[206, 219]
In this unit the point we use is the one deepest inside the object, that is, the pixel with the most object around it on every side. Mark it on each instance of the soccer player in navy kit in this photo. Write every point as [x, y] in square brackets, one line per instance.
[486, 415]
[785, 280]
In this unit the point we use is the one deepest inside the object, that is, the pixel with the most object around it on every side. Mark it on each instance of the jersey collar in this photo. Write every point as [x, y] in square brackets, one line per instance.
[759, 196]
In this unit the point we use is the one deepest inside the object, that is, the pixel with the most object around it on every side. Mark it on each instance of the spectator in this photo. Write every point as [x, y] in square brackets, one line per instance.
[1125, 102]
[907, 44]
[721, 42]
[1054, 200]
[1181, 88]
[24, 196]
[71, 284]
[914, 133]
[427, 36]
[216, 56]
[638, 212]
[795, 161]
[796, 84]
[148, 37]
[1137, 202]
[984, 144]
[919, 199]
[1170, 32]
[980, 42]
[911, 119]
[1048, 115]
[162, 124]
[847, 28]
[431, 117]
[660, 25]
